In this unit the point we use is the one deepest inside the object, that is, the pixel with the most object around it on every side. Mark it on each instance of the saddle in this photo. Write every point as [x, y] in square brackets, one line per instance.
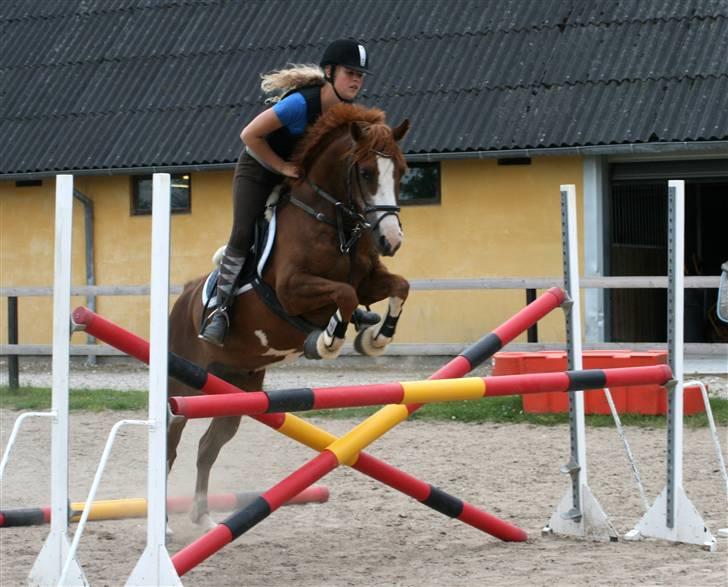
[264, 232]
[251, 276]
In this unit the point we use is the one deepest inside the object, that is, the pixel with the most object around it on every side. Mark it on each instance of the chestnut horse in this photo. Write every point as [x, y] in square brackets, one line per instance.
[332, 225]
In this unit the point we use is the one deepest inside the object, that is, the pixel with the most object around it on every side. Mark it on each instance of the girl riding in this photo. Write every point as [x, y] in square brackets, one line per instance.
[270, 138]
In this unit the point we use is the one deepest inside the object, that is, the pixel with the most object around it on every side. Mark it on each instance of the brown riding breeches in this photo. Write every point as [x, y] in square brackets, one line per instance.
[252, 184]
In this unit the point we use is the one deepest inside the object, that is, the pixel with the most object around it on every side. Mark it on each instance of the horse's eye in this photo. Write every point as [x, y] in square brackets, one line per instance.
[367, 175]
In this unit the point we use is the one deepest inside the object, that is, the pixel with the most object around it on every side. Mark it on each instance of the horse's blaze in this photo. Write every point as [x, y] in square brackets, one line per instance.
[389, 229]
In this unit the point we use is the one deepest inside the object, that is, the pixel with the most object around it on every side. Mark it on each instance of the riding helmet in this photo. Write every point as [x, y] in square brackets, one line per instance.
[348, 53]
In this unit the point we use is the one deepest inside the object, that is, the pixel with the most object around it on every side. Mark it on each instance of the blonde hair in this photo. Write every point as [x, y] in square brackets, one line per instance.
[297, 75]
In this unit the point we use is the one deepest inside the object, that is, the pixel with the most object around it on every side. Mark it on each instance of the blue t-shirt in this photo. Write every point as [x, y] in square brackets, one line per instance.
[292, 112]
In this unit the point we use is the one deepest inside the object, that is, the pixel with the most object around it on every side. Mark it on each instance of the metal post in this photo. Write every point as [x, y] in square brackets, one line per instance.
[578, 513]
[48, 566]
[675, 329]
[88, 228]
[13, 379]
[155, 565]
[672, 515]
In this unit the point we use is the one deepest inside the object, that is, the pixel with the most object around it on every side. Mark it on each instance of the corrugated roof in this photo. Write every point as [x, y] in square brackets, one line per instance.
[100, 84]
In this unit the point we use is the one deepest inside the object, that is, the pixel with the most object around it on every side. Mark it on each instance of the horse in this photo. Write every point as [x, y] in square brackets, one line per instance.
[332, 226]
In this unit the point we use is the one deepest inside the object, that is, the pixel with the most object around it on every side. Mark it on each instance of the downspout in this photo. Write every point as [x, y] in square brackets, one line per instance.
[88, 215]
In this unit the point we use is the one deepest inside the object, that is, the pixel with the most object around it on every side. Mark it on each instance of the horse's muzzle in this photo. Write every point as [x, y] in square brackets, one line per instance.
[386, 248]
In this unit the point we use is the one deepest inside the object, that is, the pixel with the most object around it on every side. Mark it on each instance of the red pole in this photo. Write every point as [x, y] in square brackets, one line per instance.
[238, 523]
[423, 492]
[429, 495]
[246, 518]
[260, 402]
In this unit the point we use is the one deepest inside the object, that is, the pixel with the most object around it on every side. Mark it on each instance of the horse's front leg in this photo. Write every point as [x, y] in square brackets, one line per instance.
[305, 293]
[373, 340]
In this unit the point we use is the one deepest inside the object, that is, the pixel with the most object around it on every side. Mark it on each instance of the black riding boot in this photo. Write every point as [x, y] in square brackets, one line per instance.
[216, 326]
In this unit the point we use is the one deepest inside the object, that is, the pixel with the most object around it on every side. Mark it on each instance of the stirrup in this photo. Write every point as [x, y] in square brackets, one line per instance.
[215, 327]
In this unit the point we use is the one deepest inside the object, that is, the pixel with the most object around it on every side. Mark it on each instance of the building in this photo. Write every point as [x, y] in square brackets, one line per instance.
[508, 100]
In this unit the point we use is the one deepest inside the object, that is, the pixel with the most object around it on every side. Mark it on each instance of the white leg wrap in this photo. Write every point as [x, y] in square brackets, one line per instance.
[373, 341]
[329, 349]
[365, 343]
[331, 340]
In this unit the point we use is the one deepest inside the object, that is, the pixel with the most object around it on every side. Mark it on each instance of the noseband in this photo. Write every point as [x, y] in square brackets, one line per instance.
[347, 211]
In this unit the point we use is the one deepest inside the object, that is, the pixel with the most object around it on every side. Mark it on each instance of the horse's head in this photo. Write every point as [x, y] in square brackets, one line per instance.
[378, 165]
[350, 157]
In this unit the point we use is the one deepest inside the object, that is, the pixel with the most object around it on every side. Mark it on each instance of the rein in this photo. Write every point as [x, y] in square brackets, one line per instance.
[346, 211]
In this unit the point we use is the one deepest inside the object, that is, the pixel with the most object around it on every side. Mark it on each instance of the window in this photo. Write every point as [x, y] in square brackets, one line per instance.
[141, 197]
[420, 185]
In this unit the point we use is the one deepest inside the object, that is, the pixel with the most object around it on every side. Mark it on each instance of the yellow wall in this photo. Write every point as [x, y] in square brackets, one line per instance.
[493, 221]
[122, 246]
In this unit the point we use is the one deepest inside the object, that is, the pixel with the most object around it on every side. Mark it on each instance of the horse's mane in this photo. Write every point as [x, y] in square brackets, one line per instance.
[337, 120]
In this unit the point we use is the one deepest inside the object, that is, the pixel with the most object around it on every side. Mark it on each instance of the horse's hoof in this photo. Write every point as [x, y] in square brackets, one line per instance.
[364, 344]
[363, 318]
[207, 523]
[310, 346]
[204, 521]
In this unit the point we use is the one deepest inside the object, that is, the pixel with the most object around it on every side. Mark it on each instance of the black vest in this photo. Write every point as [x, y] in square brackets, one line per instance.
[281, 140]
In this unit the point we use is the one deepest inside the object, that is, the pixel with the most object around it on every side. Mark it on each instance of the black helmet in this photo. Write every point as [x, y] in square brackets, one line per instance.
[348, 53]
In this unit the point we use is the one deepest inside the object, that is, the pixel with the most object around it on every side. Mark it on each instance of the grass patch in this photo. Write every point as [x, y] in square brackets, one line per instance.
[505, 410]
[509, 410]
[95, 400]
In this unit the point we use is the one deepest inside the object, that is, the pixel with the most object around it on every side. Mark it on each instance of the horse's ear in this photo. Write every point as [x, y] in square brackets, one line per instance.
[401, 130]
[357, 131]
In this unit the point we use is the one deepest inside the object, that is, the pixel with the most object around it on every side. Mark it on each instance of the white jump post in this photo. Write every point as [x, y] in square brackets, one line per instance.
[49, 563]
[578, 513]
[154, 567]
[673, 516]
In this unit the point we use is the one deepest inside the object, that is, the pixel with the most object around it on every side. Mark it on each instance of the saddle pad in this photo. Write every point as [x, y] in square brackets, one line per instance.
[209, 299]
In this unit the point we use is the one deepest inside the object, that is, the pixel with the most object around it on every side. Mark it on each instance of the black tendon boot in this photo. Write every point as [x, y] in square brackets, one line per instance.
[217, 323]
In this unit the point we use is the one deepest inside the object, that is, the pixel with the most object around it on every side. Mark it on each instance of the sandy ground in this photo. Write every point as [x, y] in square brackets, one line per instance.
[369, 534]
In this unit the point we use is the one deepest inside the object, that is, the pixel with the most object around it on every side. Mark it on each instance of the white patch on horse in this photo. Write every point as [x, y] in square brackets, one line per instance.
[389, 227]
[262, 337]
[287, 355]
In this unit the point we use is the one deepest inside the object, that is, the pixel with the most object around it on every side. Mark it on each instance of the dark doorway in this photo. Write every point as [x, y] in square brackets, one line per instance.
[637, 213]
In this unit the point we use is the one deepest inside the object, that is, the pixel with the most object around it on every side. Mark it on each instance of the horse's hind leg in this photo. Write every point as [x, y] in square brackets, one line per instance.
[175, 428]
[220, 431]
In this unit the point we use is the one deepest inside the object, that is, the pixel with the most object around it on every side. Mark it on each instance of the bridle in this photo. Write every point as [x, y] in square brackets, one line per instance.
[347, 212]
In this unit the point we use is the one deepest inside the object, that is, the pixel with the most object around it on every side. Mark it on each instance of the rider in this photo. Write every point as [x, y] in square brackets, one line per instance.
[270, 138]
